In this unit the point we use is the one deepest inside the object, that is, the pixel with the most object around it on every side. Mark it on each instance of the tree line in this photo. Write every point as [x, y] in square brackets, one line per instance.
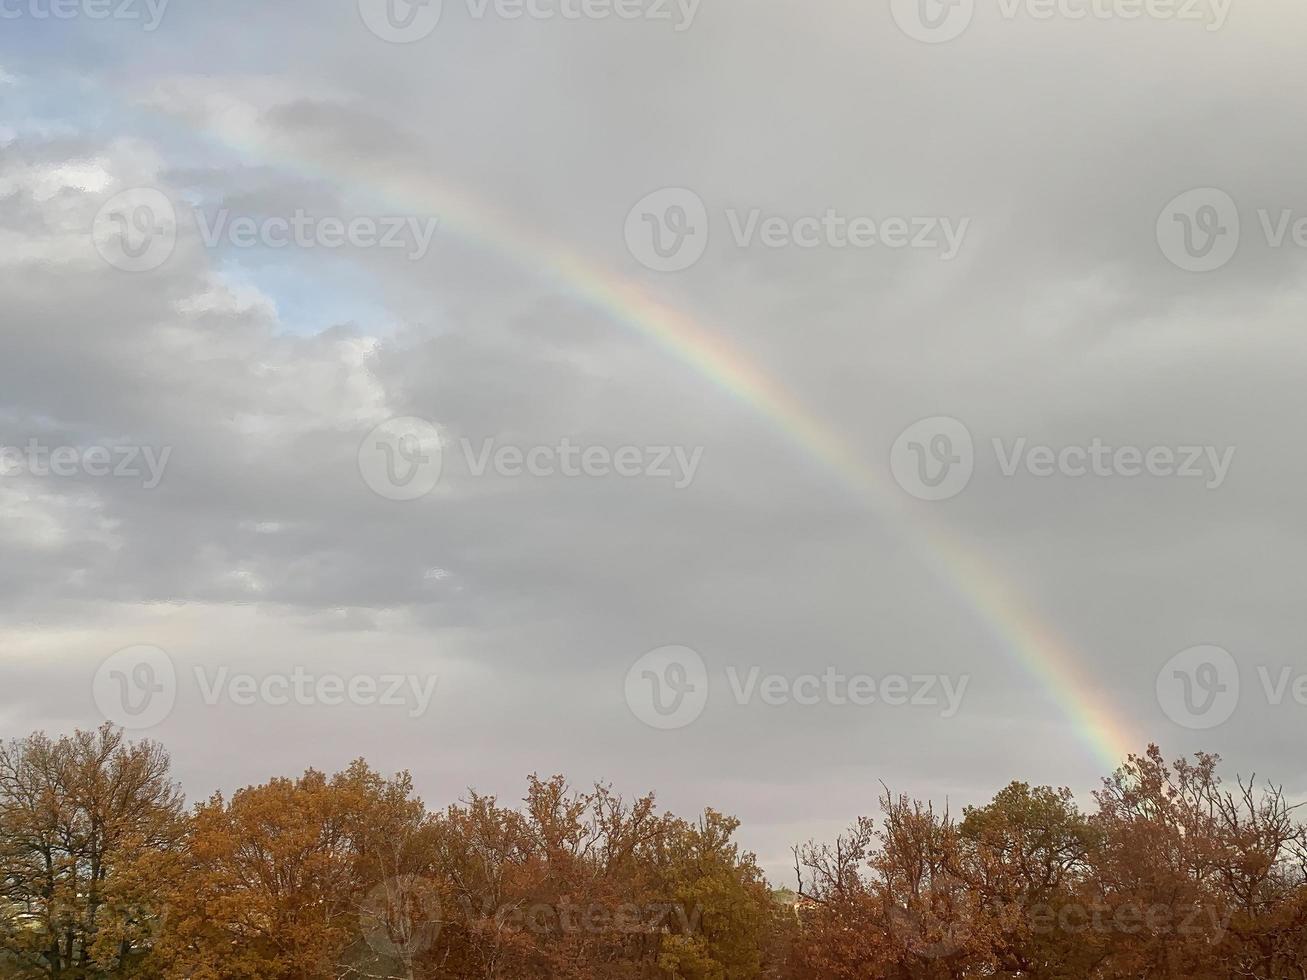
[105, 873]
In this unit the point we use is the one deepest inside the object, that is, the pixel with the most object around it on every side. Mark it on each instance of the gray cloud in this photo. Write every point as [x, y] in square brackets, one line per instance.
[1060, 320]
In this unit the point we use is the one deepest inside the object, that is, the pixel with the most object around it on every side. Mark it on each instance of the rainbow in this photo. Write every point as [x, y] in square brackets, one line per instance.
[1032, 644]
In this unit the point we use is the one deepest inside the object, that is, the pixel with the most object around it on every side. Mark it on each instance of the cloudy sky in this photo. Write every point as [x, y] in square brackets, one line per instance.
[746, 400]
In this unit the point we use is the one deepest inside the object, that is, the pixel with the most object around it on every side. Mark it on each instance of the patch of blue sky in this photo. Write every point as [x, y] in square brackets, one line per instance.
[122, 41]
[312, 292]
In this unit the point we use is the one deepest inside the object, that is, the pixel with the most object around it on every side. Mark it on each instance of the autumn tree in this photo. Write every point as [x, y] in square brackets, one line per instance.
[585, 884]
[1028, 857]
[90, 827]
[1202, 882]
[349, 877]
[892, 902]
[288, 880]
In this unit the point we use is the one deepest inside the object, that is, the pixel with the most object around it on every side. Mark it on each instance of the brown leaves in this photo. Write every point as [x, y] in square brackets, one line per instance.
[350, 877]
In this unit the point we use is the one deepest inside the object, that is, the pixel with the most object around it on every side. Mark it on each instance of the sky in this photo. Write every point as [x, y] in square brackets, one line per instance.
[753, 402]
